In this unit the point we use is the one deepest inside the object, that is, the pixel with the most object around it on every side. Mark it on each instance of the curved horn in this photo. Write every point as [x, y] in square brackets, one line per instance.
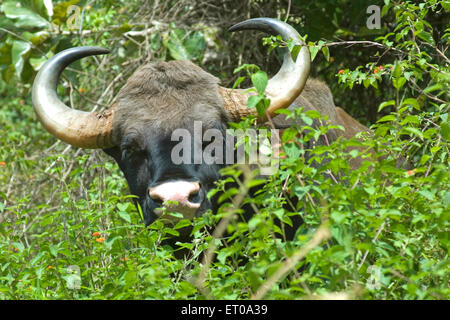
[79, 128]
[286, 85]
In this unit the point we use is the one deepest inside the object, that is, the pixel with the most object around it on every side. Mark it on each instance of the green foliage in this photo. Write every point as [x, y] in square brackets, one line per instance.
[259, 80]
[185, 46]
[69, 230]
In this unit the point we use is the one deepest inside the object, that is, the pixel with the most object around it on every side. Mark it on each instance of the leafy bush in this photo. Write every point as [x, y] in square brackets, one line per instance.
[68, 229]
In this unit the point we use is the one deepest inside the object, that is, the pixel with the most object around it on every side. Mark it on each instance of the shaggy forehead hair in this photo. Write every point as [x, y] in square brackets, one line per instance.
[164, 96]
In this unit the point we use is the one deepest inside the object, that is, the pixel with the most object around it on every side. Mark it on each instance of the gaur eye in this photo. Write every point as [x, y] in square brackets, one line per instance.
[131, 146]
[125, 154]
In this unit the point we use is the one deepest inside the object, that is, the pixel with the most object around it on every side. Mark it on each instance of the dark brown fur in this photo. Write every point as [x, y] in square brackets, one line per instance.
[169, 95]
[166, 96]
[163, 96]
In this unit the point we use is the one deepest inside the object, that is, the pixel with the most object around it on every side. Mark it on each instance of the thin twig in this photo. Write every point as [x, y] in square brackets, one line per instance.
[307, 193]
[438, 51]
[376, 44]
[373, 241]
[218, 233]
[288, 11]
[321, 234]
[25, 40]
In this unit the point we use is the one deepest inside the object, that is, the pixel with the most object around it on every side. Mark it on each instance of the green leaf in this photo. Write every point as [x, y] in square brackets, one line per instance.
[386, 104]
[414, 131]
[175, 45]
[195, 44]
[175, 214]
[326, 53]
[37, 63]
[182, 223]
[313, 50]
[24, 18]
[36, 38]
[385, 9]
[427, 194]
[426, 36]
[338, 217]
[141, 214]
[445, 130]
[18, 51]
[54, 250]
[289, 134]
[399, 82]
[123, 206]
[446, 5]
[410, 119]
[254, 222]
[306, 119]
[260, 80]
[183, 46]
[125, 216]
[238, 82]
[247, 67]
[87, 259]
[370, 190]
[262, 106]
[8, 73]
[413, 102]
[434, 87]
[374, 83]
[224, 253]
[255, 182]
[397, 70]
[130, 277]
[314, 114]
[389, 117]
[253, 101]
[366, 83]
[5, 53]
[295, 51]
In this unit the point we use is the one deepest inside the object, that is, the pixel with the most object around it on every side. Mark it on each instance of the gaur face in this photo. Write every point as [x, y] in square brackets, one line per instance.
[161, 106]
[165, 105]
[147, 164]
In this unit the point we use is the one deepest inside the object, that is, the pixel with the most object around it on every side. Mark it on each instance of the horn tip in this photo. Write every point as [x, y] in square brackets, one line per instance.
[250, 24]
[100, 50]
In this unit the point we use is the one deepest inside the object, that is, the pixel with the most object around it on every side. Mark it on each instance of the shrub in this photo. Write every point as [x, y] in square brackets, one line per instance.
[68, 229]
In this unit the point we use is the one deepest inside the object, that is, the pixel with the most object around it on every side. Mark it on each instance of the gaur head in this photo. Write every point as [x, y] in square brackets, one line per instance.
[158, 99]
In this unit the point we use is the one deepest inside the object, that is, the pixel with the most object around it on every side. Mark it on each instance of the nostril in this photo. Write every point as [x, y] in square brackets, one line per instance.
[194, 197]
[156, 199]
[158, 202]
